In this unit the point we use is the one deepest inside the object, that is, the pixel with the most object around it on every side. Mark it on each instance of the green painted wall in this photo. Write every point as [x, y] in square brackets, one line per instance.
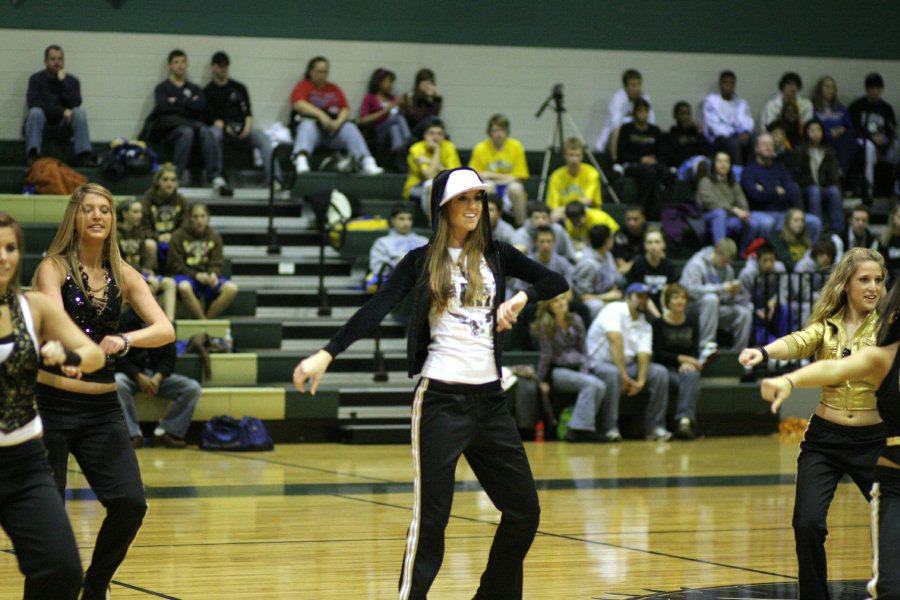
[835, 28]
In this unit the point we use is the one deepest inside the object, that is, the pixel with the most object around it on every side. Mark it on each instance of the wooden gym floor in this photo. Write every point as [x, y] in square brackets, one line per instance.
[323, 522]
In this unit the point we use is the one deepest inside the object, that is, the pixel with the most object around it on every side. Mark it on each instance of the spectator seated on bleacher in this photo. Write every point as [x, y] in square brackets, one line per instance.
[620, 344]
[539, 215]
[325, 120]
[684, 143]
[425, 159]
[139, 249]
[676, 346]
[152, 371]
[380, 111]
[889, 244]
[597, 282]
[638, 151]
[579, 220]
[858, 234]
[196, 258]
[575, 181]
[178, 121]
[565, 367]
[423, 103]
[770, 190]
[789, 87]
[819, 176]
[793, 127]
[629, 240]
[165, 210]
[54, 103]
[230, 117]
[727, 120]
[717, 299]
[792, 242]
[500, 229]
[837, 125]
[653, 269]
[621, 107]
[764, 280]
[876, 126]
[500, 160]
[387, 250]
[725, 207]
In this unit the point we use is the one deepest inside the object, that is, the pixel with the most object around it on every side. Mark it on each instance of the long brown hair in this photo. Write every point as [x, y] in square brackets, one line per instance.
[438, 261]
[545, 321]
[7, 220]
[833, 298]
[789, 236]
[891, 230]
[63, 249]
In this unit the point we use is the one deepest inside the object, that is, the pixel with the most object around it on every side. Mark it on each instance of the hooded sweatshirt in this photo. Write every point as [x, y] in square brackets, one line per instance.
[411, 277]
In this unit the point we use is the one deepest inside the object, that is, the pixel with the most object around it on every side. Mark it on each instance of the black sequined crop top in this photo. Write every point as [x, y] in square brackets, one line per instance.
[95, 324]
[18, 372]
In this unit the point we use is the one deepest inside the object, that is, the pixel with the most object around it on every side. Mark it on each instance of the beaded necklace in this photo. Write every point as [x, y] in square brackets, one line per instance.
[98, 302]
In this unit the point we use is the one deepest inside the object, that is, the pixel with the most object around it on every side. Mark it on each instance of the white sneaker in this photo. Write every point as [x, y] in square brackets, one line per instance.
[613, 435]
[370, 167]
[709, 350]
[301, 165]
[660, 435]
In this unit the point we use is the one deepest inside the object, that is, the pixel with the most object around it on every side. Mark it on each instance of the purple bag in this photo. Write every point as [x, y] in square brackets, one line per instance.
[227, 433]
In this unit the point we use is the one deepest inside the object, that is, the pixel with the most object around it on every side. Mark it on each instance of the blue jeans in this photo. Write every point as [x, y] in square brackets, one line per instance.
[688, 385]
[830, 197]
[393, 129]
[311, 135]
[657, 387]
[36, 120]
[591, 392]
[183, 391]
[257, 139]
[721, 223]
[770, 222]
[182, 139]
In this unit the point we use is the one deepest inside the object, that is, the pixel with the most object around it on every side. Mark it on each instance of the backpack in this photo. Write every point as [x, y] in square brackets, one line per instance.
[227, 433]
[128, 156]
[52, 176]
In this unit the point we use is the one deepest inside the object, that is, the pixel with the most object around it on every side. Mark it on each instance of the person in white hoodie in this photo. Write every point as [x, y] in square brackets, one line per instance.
[390, 248]
[727, 120]
[621, 105]
[717, 298]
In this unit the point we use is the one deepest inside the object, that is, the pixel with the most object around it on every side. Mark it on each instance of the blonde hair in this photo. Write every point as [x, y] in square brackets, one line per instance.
[891, 230]
[789, 236]
[545, 321]
[438, 262]
[832, 297]
[63, 249]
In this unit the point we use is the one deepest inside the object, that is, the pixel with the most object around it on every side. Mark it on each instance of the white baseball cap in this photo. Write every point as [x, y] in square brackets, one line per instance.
[459, 182]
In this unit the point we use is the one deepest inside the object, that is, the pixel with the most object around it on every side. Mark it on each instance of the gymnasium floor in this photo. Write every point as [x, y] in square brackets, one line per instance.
[707, 519]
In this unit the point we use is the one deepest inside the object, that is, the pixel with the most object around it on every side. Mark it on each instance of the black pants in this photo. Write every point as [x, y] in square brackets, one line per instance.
[34, 518]
[885, 583]
[474, 421]
[92, 428]
[828, 452]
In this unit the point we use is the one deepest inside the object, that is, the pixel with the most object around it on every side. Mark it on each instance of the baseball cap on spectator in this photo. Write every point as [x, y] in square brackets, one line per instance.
[221, 59]
[637, 288]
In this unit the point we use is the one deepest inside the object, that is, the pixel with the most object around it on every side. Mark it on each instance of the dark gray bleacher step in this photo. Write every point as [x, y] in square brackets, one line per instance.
[310, 297]
[277, 365]
[254, 207]
[260, 237]
[324, 328]
[375, 433]
[274, 266]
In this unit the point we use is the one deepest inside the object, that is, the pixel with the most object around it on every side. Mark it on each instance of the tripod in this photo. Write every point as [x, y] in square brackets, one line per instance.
[557, 138]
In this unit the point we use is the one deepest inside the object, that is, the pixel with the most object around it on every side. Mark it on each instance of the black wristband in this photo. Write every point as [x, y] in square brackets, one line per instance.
[765, 354]
[73, 359]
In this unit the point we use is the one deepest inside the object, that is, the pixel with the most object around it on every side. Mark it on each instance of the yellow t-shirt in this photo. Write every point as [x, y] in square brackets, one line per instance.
[449, 160]
[592, 217]
[509, 160]
[563, 188]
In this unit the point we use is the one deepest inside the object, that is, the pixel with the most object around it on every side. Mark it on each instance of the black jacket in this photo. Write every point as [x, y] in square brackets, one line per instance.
[410, 277]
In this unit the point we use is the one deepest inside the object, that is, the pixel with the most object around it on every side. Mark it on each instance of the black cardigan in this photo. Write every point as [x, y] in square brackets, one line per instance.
[409, 276]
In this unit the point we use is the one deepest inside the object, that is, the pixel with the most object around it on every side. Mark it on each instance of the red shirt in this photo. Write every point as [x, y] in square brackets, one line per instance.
[329, 98]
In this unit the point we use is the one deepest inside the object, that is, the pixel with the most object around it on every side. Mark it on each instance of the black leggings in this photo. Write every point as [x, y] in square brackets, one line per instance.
[34, 518]
[828, 452]
[885, 583]
[450, 420]
[91, 427]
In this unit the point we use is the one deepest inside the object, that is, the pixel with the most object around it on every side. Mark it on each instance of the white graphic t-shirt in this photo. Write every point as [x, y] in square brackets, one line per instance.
[462, 337]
